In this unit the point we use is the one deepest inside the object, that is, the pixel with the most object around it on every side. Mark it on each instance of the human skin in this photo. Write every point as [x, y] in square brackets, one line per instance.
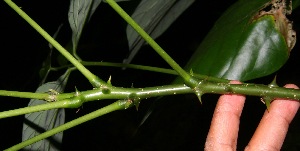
[269, 134]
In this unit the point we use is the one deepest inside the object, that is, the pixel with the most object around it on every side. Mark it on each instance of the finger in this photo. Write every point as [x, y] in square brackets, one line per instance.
[274, 125]
[224, 127]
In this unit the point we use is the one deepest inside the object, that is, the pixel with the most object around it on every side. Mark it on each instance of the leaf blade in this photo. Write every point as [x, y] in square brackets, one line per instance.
[38, 122]
[79, 12]
[155, 17]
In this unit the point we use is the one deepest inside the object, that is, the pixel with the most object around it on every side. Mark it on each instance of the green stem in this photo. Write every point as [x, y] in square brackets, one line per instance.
[187, 78]
[32, 109]
[154, 69]
[132, 66]
[142, 67]
[71, 101]
[118, 105]
[250, 89]
[39, 96]
[93, 79]
[205, 87]
[129, 95]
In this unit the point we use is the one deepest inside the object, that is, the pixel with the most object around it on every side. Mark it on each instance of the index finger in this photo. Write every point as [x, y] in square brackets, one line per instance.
[223, 132]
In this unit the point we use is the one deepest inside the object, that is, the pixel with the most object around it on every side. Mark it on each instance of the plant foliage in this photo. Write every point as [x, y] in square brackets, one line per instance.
[39, 122]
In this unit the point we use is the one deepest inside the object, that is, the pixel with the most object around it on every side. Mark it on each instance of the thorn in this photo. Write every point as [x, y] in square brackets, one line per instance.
[199, 94]
[273, 83]
[109, 81]
[77, 93]
[267, 101]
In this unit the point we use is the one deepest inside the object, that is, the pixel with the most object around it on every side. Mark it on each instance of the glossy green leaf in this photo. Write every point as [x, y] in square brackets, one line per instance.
[39, 122]
[244, 45]
[154, 16]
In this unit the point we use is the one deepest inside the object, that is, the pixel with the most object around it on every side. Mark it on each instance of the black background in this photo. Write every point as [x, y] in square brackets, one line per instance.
[174, 125]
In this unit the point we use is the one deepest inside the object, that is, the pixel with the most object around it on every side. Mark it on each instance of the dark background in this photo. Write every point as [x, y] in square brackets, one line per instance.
[174, 125]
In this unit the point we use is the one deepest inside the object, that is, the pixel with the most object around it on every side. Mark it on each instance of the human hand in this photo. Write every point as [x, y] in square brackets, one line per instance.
[274, 124]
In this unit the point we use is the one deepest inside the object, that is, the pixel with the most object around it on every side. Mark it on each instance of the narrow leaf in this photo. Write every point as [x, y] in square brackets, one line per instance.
[155, 17]
[95, 5]
[39, 122]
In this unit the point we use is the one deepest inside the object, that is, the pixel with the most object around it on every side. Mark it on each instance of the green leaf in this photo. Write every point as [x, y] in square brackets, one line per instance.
[39, 122]
[79, 12]
[155, 17]
[243, 44]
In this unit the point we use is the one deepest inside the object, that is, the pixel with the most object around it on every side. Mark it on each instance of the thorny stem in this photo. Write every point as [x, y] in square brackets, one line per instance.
[70, 100]
[130, 95]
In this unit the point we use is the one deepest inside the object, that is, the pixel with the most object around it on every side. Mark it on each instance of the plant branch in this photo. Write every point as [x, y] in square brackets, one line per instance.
[130, 95]
[39, 96]
[153, 69]
[73, 102]
[137, 94]
[189, 80]
[142, 67]
[93, 79]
